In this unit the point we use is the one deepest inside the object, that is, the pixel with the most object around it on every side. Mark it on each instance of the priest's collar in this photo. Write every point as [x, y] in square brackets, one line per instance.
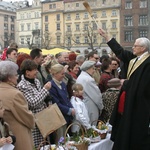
[140, 57]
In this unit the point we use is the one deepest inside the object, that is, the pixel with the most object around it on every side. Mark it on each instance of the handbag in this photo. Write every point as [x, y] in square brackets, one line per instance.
[49, 120]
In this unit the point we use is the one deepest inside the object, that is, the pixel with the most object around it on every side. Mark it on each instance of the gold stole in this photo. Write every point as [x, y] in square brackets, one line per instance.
[136, 65]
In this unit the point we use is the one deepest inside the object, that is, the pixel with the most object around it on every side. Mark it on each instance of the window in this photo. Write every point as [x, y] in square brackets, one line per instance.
[5, 43]
[128, 36]
[69, 40]
[58, 26]
[28, 40]
[143, 20]
[46, 27]
[86, 15]
[36, 14]
[28, 26]
[114, 25]
[22, 16]
[103, 13]
[58, 17]
[12, 35]
[58, 39]
[77, 16]
[68, 28]
[103, 25]
[94, 39]
[36, 25]
[77, 39]
[52, 6]
[77, 4]
[6, 18]
[103, 1]
[12, 18]
[128, 5]
[143, 33]
[68, 17]
[95, 14]
[46, 18]
[128, 21]
[86, 39]
[22, 27]
[12, 27]
[22, 40]
[77, 27]
[94, 26]
[86, 26]
[114, 13]
[143, 4]
[29, 15]
[5, 35]
[5, 26]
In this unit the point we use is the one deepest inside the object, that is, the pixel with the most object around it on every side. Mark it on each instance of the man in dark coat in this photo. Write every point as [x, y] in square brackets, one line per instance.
[131, 126]
[124, 55]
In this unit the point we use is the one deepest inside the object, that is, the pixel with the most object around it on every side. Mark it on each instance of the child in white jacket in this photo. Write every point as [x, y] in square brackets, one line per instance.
[81, 115]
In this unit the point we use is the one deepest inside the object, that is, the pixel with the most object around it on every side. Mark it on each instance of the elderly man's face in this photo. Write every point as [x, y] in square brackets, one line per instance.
[65, 57]
[138, 49]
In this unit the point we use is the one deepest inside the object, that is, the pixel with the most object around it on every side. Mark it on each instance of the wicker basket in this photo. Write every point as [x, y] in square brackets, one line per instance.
[44, 145]
[79, 146]
[102, 135]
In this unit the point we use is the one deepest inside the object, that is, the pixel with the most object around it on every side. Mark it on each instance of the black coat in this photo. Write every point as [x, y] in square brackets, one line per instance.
[124, 55]
[131, 130]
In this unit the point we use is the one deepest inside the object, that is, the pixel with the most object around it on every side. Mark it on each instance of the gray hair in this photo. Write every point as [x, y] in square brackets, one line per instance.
[56, 68]
[7, 69]
[80, 57]
[144, 42]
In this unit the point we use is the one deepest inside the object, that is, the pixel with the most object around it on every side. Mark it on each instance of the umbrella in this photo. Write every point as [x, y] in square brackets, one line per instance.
[44, 51]
[54, 51]
[24, 50]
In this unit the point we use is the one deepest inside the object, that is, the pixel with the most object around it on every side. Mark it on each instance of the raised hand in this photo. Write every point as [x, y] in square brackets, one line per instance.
[104, 34]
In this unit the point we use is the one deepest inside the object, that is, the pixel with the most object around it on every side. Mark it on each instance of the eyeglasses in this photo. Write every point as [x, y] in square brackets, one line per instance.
[134, 46]
[96, 58]
[115, 64]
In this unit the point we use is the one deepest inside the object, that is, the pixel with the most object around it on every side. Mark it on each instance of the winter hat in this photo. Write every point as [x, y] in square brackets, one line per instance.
[87, 64]
[98, 64]
[114, 83]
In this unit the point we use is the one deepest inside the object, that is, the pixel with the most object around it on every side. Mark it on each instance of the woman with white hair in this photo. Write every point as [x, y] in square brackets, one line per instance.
[92, 94]
[16, 113]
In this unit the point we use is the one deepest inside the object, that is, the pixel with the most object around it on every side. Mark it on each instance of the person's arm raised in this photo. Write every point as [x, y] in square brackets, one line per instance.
[104, 34]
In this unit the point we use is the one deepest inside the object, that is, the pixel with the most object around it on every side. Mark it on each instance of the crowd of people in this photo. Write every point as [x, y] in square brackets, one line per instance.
[85, 88]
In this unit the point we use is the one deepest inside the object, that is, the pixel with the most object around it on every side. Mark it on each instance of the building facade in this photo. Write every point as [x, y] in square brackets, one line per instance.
[134, 21]
[28, 25]
[7, 25]
[52, 24]
[70, 26]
